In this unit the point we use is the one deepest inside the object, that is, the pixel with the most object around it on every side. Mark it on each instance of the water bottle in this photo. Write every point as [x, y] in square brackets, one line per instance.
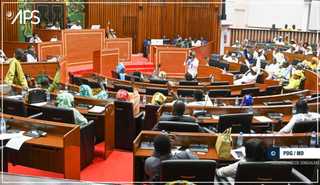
[3, 126]
[48, 96]
[240, 140]
[144, 99]
[294, 110]
[250, 109]
[313, 139]
[23, 93]
[236, 102]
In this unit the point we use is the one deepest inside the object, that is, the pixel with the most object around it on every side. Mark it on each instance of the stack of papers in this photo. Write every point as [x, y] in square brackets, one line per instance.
[238, 153]
[40, 104]
[16, 139]
[97, 109]
[263, 119]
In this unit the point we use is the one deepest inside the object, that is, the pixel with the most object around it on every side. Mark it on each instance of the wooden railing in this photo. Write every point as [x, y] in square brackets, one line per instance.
[263, 35]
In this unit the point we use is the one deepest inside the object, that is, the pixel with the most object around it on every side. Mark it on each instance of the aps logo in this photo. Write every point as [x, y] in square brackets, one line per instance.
[23, 16]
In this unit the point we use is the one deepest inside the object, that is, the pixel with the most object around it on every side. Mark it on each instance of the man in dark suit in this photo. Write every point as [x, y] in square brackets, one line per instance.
[177, 113]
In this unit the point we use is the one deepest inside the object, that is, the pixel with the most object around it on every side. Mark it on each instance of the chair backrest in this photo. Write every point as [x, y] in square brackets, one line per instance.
[275, 171]
[114, 74]
[273, 90]
[240, 122]
[152, 91]
[13, 106]
[301, 86]
[151, 117]
[243, 69]
[79, 81]
[37, 96]
[190, 170]
[125, 126]
[186, 82]
[254, 91]
[175, 126]
[219, 83]
[93, 84]
[306, 126]
[57, 114]
[219, 93]
[117, 87]
[158, 81]
[185, 92]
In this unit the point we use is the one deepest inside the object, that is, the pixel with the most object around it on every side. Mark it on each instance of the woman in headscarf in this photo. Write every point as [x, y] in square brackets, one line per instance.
[86, 91]
[66, 100]
[15, 73]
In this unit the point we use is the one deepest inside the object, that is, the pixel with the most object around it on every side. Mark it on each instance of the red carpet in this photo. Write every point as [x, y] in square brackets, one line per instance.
[137, 63]
[118, 167]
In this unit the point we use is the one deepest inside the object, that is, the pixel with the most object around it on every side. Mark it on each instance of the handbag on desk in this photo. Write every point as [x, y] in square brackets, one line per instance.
[36, 96]
[224, 144]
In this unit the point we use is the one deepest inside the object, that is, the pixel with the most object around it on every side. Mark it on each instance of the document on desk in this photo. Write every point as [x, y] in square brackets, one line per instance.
[97, 109]
[10, 135]
[39, 104]
[263, 119]
[16, 142]
[17, 97]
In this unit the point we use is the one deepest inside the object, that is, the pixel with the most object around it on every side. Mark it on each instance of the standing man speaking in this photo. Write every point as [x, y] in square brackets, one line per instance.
[192, 64]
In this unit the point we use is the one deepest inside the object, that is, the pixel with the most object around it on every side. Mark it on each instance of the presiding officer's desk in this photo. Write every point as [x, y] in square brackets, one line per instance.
[58, 151]
[185, 139]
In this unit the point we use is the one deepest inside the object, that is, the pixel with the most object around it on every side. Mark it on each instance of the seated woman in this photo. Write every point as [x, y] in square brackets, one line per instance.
[86, 91]
[162, 151]
[312, 64]
[302, 114]
[66, 100]
[255, 150]
[15, 73]
[134, 98]
[158, 99]
[121, 71]
[295, 80]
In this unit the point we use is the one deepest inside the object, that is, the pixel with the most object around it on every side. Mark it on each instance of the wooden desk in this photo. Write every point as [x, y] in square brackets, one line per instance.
[185, 139]
[104, 122]
[59, 151]
[33, 69]
[105, 60]
[46, 34]
[124, 45]
[44, 50]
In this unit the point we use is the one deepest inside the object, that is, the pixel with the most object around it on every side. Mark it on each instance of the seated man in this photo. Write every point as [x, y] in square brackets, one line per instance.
[35, 38]
[302, 114]
[255, 150]
[249, 77]
[31, 54]
[231, 57]
[162, 151]
[272, 68]
[178, 113]
[15, 74]
[295, 80]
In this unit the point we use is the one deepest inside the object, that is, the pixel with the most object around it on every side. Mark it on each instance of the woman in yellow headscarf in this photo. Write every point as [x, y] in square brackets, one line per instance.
[15, 73]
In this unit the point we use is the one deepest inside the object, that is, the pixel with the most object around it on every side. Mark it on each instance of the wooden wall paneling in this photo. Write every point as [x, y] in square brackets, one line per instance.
[124, 45]
[146, 20]
[10, 31]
